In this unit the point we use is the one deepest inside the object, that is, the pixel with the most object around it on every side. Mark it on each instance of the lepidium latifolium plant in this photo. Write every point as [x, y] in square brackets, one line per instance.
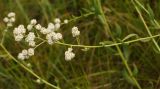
[35, 34]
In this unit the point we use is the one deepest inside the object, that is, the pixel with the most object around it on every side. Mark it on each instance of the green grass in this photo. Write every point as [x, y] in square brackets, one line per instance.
[126, 32]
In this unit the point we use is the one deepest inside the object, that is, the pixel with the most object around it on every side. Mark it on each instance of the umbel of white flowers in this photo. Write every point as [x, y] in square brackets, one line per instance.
[69, 54]
[10, 19]
[51, 34]
[19, 32]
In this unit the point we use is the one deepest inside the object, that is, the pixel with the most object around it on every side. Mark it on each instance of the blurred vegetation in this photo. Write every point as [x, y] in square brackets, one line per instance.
[100, 68]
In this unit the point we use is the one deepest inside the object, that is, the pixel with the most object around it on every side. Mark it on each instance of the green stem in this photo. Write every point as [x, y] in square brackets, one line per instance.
[110, 45]
[4, 33]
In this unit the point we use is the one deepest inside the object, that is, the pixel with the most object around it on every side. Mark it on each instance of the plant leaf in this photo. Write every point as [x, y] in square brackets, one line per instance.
[130, 36]
[135, 70]
[128, 78]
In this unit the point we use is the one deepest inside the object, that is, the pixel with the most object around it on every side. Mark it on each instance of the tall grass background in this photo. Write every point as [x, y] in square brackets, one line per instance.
[133, 65]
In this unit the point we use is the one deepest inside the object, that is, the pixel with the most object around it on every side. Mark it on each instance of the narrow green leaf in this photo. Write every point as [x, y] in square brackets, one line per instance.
[151, 14]
[135, 70]
[130, 36]
[126, 51]
[128, 78]
[85, 49]
[118, 30]
[106, 42]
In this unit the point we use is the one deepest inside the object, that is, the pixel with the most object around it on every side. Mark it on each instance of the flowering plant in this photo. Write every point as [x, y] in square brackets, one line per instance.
[35, 34]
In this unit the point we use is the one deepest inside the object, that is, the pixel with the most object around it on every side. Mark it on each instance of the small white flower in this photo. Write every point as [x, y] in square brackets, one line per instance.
[29, 27]
[50, 35]
[30, 51]
[50, 41]
[57, 26]
[22, 29]
[29, 65]
[24, 52]
[75, 32]
[11, 14]
[6, 20]
[33, 22]
[30, 37]
[69, 55]
[9, 24]
[18, 37]
[12, 19]
[51, 26]
[21, 26]
[32, 43]
[57, 20]
[65, 21]
[59, 36]
[53, 37]
[21, 56]
[38, 26]
[45, 31]
[19, 30]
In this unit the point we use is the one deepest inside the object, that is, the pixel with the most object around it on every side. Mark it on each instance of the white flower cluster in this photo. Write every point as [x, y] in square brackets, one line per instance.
[25, 54]
[51, 33]
[19, 32]
[69, 54]
[10, 19]
[57, 22]
[30, 39]
[53, 37]
[75, 32]
[47, 30]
